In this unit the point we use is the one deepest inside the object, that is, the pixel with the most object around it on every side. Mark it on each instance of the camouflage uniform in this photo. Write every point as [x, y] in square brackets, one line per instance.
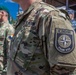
[6, 30]
[31, 53]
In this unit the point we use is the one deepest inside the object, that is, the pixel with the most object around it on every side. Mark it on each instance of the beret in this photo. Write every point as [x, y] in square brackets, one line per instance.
[4, 8]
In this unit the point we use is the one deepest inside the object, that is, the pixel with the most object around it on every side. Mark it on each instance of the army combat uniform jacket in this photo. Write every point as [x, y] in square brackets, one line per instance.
[6, 30]
[33, 51]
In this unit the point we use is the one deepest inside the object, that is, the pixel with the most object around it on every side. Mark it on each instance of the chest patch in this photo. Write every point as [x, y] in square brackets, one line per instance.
[64, 40]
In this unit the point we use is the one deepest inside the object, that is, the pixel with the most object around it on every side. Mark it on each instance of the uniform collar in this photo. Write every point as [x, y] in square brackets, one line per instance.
[26, 12]
[32, 6]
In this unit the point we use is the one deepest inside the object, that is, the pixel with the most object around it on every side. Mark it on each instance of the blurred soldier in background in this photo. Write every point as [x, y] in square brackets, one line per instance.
[72, 17]
[6, 31]
[44, 41]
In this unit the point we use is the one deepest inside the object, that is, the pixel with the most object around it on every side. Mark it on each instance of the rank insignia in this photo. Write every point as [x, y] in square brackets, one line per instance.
[64, 40]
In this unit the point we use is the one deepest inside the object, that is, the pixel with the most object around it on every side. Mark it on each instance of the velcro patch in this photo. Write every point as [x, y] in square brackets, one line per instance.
[64, 40]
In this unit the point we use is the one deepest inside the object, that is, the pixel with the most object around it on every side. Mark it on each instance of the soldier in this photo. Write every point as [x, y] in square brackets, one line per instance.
[44, 41]
[72, 17]
[6, 31]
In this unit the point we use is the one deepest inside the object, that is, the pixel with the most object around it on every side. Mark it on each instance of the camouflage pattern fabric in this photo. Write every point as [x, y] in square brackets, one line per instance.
[6, 30]
[30, 50]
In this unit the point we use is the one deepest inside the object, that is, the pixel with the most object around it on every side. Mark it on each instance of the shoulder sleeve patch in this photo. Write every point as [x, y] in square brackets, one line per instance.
[64, 40]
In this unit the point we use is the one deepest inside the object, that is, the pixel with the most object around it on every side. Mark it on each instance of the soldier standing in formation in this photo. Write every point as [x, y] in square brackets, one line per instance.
[44, 41]
[6, 30]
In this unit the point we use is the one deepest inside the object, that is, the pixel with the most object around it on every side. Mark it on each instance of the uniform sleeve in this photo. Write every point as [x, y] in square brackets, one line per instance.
[10, 34]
